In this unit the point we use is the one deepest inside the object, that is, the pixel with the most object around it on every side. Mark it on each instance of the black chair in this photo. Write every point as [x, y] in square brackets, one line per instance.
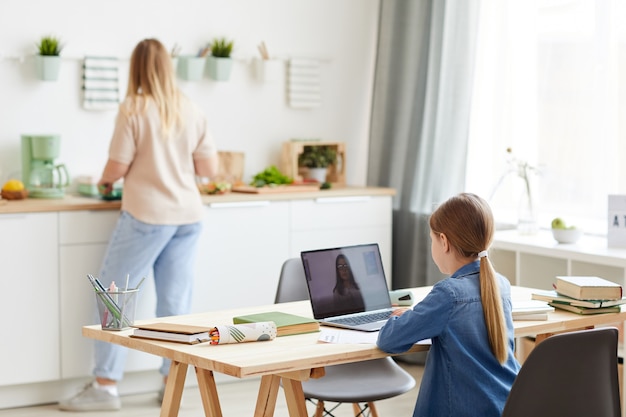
[570, 374]
[359, 383]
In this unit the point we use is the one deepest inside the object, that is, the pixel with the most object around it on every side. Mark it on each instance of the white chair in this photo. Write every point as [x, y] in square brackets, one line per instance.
[359, 383]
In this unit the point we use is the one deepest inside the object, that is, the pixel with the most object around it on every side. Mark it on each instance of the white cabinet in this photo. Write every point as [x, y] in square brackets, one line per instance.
[240, 253]
[83, 237]
[327, 222]
[30, 300]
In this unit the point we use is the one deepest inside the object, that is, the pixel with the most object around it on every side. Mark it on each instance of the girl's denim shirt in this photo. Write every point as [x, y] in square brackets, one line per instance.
[461, 377]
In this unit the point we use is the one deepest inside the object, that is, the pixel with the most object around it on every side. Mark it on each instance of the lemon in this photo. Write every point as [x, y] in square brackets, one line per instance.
[13, 185]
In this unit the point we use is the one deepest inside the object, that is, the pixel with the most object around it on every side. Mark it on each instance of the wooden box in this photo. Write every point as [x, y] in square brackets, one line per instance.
[292, 150]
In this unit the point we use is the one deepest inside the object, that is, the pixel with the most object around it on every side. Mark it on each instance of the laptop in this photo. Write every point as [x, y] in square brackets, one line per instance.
[347, 286]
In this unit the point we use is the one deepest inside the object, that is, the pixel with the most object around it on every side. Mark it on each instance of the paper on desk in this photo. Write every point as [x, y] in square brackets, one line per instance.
[344, 336]
[347, 336]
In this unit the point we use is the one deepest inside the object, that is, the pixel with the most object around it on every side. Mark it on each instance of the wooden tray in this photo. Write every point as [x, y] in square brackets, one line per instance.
[275, 190]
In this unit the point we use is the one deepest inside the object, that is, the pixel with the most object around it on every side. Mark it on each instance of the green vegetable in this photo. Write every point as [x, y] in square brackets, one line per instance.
[325, 186]
[270, 176]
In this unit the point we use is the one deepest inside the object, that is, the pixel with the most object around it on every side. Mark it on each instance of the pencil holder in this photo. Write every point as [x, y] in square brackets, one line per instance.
[116, 308]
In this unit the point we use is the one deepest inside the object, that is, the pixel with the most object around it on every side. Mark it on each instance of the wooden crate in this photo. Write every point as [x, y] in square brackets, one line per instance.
[292, 150]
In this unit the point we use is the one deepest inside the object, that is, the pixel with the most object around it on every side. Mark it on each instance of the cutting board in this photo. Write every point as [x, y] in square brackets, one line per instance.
[275, 190]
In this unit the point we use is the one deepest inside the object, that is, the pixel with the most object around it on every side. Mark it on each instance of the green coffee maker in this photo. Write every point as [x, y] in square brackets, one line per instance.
[40, 174]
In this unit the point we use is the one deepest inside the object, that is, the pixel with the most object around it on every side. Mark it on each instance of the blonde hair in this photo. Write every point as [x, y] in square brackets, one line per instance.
[152, 77]
[467, 222]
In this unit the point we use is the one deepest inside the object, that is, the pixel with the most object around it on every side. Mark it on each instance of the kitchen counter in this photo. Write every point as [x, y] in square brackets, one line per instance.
[78, 202]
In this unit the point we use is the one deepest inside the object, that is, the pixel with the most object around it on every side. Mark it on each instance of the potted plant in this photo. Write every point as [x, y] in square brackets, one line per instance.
[317, 158]
[48, 59]
[219, 63]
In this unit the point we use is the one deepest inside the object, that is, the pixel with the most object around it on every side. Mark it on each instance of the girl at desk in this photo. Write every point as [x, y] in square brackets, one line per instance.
[471, 364]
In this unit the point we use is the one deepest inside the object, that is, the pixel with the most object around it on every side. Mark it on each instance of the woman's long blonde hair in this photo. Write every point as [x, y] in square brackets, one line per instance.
[467, 222]
[152, 77]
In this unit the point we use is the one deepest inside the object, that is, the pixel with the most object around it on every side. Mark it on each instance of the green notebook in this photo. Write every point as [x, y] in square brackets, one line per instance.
[286, 323]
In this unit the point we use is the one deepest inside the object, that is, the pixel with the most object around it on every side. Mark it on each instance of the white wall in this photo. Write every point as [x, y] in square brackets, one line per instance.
[244, 114]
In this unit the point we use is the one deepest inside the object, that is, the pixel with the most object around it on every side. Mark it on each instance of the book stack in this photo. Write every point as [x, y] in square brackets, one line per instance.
[531, 310]
[584, 295]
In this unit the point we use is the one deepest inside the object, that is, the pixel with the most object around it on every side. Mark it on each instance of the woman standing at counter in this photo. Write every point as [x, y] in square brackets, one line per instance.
[159, 144]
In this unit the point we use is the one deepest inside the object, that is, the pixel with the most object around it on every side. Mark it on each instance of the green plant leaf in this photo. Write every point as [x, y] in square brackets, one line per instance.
[49, 46]
[317, 156]
[221, 48]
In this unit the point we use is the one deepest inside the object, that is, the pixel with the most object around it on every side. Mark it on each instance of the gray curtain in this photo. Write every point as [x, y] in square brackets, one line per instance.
[420, 119]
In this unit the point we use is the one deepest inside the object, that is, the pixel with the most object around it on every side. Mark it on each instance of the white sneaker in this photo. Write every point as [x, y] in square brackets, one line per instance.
[91, 399]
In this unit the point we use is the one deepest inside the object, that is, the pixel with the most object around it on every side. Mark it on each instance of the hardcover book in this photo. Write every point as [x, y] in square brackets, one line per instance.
[554, 297]
[286, 323]
[584, 310]
[173, 332]
[588, 288]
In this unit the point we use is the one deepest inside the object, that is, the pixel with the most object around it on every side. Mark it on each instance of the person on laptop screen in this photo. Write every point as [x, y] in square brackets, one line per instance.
[471, 364]
[346, 289]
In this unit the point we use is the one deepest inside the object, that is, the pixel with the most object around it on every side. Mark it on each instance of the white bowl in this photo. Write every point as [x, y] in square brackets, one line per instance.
[567, 235]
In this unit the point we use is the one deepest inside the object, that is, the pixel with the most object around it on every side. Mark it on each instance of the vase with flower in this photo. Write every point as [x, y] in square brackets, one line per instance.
[526, 215]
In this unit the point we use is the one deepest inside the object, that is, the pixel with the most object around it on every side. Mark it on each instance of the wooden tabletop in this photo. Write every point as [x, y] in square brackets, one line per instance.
[290, 354]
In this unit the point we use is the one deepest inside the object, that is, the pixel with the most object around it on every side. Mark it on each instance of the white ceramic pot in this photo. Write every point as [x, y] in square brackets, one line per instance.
[48, 67]
[219, 68]
[318, 174]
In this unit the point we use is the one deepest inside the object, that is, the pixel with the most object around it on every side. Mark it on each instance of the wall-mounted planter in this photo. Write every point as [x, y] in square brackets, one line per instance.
[219, 68]
[48, 67]
[190, 68]
[268, 70]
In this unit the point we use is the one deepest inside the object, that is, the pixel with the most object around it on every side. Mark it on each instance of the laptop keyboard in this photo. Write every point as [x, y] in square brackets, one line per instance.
[362, 319]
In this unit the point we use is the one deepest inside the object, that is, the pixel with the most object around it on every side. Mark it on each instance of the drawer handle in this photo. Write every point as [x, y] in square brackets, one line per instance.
[12, 216]
[331, 200]
[262, 203]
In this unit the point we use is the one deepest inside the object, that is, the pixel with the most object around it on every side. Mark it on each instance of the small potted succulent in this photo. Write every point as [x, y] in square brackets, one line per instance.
[48, 59]
[220, 63]
[317, 158]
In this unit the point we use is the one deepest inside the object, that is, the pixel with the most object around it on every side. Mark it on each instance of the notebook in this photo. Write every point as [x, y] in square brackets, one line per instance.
[347, 286]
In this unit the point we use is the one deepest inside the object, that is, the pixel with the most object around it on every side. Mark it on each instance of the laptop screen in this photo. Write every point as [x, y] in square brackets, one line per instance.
[345, 280]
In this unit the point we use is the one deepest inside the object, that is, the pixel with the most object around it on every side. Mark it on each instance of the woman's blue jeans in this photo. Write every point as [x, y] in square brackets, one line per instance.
[139, 249]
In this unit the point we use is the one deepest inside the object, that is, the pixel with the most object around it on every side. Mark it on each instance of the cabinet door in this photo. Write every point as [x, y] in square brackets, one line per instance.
[30, 306]
[81, 254]
[342, 221]
[240, 254]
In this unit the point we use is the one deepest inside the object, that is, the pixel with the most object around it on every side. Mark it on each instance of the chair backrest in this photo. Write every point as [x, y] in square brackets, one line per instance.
[292, 283]
[569, 374]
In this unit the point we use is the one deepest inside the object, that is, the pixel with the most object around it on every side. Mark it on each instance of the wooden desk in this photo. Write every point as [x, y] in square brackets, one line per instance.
[292, 358]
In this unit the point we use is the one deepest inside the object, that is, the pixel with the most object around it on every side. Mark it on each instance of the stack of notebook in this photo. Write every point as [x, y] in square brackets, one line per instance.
[584, 295]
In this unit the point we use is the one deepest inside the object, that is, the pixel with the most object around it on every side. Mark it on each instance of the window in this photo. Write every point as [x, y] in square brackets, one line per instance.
[550, 83]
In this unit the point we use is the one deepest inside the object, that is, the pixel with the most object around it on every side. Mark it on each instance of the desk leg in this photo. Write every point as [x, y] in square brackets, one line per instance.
[208, 393]
[268, 392]
[295, 397]
[174, 389]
